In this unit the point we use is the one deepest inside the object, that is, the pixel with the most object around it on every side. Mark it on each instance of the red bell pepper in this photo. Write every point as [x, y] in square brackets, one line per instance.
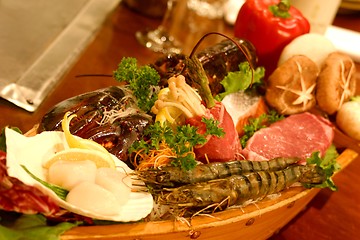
[270, 25]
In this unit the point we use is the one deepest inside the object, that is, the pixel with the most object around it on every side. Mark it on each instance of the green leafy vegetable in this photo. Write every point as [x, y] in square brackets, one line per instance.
[328, 164]
[241, 80]
[143, 81]
[60, 192]
[181, 140]
[32, 227]
[3, 138]
[212, 127]
[355, 98]
[255, 124]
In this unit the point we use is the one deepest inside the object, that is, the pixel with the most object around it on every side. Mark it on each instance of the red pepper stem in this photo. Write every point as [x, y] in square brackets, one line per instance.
[284, 5]
[281, 9]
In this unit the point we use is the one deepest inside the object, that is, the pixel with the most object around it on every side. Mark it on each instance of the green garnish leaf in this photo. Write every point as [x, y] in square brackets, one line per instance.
[59, 191]
[273, 117]
[181, 140]
[355, 98]
[3, 138]
[255, 124]
[241, 80]
[33, 227]
[328, 164]
[143, 81]
[212, 127]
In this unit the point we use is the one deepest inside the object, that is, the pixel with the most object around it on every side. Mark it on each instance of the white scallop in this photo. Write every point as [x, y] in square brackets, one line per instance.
[94, 198]
[32, 151]
[67, 174]
[119, 183]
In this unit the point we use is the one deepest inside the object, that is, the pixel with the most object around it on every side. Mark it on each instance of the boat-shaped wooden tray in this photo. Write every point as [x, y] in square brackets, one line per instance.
[254, 221]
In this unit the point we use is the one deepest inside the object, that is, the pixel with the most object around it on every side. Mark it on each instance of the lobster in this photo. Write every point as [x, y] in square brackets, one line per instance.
[115, 135]
[118, 135]
[217, 61]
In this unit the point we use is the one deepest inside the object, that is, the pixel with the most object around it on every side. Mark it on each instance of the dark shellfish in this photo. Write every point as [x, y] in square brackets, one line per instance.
[116, 134]
[217, 61]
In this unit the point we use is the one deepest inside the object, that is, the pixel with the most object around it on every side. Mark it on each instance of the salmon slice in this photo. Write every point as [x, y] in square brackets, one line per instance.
[242, 106]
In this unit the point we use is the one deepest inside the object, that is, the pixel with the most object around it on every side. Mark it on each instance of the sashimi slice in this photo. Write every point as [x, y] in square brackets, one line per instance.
[296, 136]
[218, 149]
[244, 105]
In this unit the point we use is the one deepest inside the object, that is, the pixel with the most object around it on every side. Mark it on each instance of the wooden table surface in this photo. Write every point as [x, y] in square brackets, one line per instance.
[330, 215]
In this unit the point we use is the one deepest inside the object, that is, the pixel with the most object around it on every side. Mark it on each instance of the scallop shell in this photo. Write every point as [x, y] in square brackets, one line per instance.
[32, 151]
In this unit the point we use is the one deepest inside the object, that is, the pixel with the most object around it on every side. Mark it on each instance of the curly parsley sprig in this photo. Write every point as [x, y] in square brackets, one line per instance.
[181, 141]
[143, 81]
[256, 124]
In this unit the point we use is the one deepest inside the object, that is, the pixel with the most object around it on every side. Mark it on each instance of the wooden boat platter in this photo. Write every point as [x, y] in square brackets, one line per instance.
[254, 221]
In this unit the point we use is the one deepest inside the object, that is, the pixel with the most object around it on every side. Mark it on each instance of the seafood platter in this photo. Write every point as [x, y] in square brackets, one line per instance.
[188, 147]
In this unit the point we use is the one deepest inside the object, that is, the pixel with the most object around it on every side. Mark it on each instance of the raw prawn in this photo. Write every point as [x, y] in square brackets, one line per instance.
[171, 176]
[238, 189]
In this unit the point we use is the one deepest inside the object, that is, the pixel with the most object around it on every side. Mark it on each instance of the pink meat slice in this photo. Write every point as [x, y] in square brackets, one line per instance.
[298, 135]
[218, 149]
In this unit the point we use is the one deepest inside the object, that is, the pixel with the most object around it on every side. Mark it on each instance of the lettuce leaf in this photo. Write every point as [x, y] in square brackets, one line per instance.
[241, 80]
[3, 138]
[32, 227]
[328, 164]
